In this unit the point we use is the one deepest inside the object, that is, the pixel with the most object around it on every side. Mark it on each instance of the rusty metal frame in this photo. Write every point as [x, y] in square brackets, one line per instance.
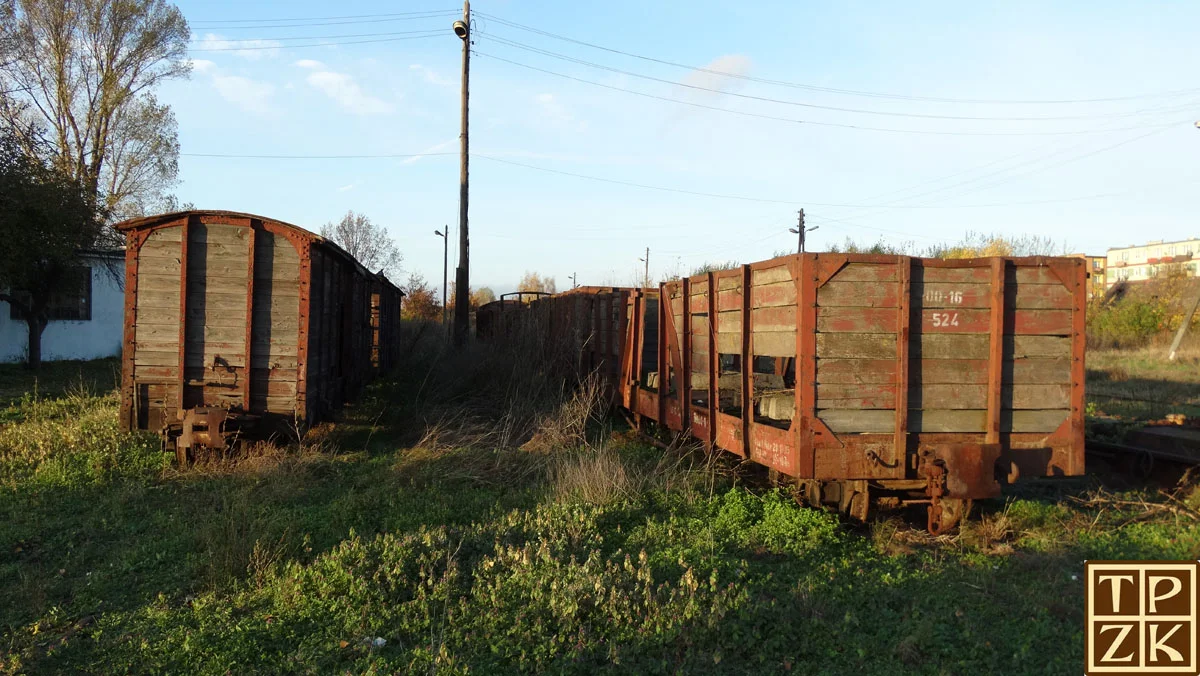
[904, 317]
[747, 357]
[995, 375]
[684, 388]
[714, 362]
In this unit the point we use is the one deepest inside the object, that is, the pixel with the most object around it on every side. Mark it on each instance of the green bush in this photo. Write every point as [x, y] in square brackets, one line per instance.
[1131, 322]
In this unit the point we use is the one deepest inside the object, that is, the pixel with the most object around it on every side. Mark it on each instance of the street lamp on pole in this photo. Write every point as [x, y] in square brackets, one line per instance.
[444, 233]
[799, 230]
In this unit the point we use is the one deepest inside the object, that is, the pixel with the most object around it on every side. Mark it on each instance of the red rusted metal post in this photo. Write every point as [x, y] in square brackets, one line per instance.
[903, 318]
[995, 353]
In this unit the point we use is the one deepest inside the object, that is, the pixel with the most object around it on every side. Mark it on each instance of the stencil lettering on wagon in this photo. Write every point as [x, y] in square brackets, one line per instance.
[948, 297]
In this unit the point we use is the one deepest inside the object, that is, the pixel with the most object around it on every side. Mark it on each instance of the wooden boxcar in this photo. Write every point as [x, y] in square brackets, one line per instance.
[913, 380]
[239, 326]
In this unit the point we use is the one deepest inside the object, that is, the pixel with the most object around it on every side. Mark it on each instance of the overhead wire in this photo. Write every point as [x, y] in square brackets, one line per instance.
[791, 202]
[831, 90]
[316, 37]
[323, 23]
[315, 157]
[329, 18]
[430, 34]
[816, 106]
[694, 104]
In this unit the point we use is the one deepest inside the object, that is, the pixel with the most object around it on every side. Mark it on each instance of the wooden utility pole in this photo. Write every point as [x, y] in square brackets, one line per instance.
[1187, 320]
[646, 276]
[462, 291]
[574, 284]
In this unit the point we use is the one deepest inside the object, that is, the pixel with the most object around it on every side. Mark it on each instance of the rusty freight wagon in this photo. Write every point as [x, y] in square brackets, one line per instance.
[239, 326]
[915, 381]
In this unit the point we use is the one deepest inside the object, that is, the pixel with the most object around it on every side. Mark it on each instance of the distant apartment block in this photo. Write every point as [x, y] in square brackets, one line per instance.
[1153, 260]
[1097, 267]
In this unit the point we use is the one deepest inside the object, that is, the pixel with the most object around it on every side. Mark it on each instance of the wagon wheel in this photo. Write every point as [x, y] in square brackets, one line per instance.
[947, 513]
[859, 504]
[808, 492]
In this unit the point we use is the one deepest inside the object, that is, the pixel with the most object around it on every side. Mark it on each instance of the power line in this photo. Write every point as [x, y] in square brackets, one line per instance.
[319, 44]
[792, 201]
[324, 23]
[316, 37]
[841, 109]
[330, 18]
[832, 90]
[743, 113]
[313, 157]
[892, 205]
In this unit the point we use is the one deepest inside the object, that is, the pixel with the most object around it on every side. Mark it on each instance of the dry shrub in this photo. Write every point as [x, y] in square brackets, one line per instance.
[992, 534]
[567, 425]
[599, 474]
[596, 475]
[501, 394]
[260, 458]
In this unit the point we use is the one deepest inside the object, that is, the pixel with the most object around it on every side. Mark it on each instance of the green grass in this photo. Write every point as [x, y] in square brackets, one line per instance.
[20, 387]
[1142, 384]
[467, 559]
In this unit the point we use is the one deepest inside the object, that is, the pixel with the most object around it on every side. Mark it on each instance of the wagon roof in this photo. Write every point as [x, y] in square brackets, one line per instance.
[146, 222]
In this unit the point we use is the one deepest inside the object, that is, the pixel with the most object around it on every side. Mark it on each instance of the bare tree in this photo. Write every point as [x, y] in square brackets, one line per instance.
[367, 242]
[81, 74]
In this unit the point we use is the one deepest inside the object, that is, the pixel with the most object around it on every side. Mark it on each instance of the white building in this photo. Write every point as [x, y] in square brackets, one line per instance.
[85, 324]
[1154, 259]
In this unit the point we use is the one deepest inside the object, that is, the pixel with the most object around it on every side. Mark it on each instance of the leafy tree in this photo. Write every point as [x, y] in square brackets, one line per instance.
[46, 219]
[482, 296]
[421, 300]
[81, 74]
[368, 242]
[532, 281]
[714, 267]
[850, 246]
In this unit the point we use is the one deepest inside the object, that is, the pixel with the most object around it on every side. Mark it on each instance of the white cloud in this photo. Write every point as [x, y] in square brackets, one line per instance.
[348, 186]
[250, 95]
[344, 90]
[735, 65]
[253, 49]
[431, 76]
[202, 66]
[556, 113]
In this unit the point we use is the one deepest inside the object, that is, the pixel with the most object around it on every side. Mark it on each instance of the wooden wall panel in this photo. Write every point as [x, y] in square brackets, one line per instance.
[275, 327]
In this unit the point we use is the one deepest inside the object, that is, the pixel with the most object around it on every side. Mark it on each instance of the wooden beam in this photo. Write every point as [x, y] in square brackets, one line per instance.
[714, 362]
[183, 289]
[747, 365]
[684, 388]
[249, 318]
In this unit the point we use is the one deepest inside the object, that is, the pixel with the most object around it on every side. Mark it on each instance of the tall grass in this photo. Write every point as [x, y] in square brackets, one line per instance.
[73, 439]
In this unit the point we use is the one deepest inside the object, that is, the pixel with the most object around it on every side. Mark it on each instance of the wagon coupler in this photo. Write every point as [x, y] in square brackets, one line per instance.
[955, 475]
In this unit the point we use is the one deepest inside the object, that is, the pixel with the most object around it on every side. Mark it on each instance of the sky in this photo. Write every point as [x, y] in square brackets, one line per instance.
[909, 122]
